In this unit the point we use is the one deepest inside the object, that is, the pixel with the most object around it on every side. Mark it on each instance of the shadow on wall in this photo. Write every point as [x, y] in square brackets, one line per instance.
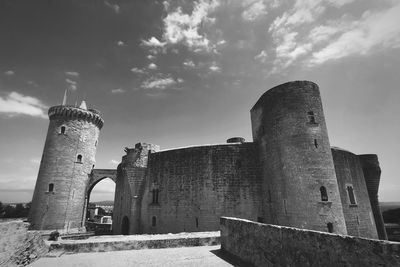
[125, 226]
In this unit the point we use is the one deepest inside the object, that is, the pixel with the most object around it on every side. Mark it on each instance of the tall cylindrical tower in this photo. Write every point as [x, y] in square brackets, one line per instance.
[299, 181]
[68, 158]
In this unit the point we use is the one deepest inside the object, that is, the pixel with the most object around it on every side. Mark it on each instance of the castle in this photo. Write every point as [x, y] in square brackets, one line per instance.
[289, 175]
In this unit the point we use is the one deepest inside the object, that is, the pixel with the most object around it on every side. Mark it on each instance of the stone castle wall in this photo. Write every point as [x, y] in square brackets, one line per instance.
[63, 207]
[197, 185]
[273, 245]
[358, 216]
[289, 128]
[129, 189]
[372, 175]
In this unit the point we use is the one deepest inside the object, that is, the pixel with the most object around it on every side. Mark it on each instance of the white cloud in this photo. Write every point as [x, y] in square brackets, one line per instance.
[322, 33]
[377, 30]
[116, 8]
[262, 57]
[137, 70]
[35, 160]
[32, 83]
[153, 42]
[214, 67]
[221, 42]
[120, 43]
[114, 162]
[150, 57]
[189, 63]
[118, 91]
[72, 85]
[72, 74]
[16, 103]
[255, 10]
[152, 66]
[185, 29]
[9, 73]
[302, 34]
[158, 83]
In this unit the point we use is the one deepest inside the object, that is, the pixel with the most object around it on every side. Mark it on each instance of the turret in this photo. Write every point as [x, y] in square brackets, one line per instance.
[372, 175]
[129, 188]
[299, 182]
[68, 158]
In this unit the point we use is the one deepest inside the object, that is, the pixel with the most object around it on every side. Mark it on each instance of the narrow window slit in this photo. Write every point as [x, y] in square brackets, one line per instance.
[324, 194]
[330, 227]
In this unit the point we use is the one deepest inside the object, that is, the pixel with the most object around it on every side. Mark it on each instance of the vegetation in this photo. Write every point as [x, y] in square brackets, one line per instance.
[391, 216]
[18, 211]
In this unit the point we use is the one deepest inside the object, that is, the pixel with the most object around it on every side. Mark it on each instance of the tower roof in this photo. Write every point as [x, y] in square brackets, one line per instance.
[83, 105]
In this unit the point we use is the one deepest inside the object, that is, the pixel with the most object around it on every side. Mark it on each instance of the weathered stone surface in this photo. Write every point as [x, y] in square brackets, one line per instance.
[359, 218]
[372, 175]
[72, 132]
[18, 246]
[289, 128]
[272, 245]
[115, 243]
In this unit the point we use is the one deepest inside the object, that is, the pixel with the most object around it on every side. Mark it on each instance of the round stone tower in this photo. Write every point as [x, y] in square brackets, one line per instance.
[68, 158]
[299, 181]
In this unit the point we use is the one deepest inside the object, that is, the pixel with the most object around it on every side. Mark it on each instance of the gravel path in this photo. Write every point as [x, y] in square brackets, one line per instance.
[185, 256]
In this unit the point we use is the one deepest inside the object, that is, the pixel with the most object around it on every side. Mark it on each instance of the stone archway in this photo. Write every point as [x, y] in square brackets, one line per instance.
[95, 177]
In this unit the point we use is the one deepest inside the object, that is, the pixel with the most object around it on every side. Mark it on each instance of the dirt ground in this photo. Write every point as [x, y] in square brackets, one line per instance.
[185, 256]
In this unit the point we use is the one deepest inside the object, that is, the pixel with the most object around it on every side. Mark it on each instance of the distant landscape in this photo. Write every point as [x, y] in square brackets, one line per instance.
[104, 203]
[389, 205]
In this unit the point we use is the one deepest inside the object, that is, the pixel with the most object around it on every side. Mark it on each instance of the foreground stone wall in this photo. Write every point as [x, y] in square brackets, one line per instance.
[197, 185]
[271, 245]
[18, 246]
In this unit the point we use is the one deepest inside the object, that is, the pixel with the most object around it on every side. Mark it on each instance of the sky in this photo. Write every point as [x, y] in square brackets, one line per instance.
[180, 73]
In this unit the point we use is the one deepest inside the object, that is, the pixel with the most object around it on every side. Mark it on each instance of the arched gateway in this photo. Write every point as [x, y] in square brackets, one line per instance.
[95, 177]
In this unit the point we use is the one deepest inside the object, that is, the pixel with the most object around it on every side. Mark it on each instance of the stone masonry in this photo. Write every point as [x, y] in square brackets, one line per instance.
[289, 175]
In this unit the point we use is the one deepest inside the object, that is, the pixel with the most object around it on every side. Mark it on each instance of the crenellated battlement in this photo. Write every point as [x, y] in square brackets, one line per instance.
[91, 115]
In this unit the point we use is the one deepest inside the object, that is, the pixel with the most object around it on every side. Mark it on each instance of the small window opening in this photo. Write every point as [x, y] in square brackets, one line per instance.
[260, 219]
[350, 192]
[197, 222]
[324, 194]
[311, 117]
[330, 227]
[79, 158]
[154, 221]
[315, 143]
[62, 131]
[95, 143]
[51, 187]
[155, 193]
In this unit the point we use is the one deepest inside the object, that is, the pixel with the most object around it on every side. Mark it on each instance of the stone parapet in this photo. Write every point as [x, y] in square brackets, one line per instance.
[73, 112]
[272, 245]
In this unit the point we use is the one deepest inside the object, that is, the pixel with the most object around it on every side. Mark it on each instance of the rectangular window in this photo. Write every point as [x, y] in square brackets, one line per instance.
[311, 117]
[350, 192]
[155, 193]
